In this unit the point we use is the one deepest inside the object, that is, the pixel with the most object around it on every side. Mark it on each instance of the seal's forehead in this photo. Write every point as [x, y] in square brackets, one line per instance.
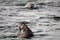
[22, 22]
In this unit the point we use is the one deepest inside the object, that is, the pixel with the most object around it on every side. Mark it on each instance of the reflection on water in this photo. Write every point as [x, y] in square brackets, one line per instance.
[44, 22]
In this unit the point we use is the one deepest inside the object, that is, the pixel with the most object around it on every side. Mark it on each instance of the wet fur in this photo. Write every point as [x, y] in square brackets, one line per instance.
[24, 31]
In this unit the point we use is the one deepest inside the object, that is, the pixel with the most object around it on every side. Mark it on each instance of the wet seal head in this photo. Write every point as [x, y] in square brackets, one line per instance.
[30, 5]
[24, 31]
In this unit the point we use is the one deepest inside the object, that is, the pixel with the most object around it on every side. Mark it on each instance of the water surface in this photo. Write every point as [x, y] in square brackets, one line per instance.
[44, 22]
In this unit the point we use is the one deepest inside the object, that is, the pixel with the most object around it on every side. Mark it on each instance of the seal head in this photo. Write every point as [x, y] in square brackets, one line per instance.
[24, 31]
[29, 5]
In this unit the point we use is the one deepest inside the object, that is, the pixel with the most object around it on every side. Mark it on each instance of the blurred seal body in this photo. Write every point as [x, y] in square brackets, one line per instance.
[24, 31]
[29, 5]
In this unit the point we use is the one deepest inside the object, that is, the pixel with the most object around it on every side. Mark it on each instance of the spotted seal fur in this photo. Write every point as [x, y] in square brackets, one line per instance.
[24, 31]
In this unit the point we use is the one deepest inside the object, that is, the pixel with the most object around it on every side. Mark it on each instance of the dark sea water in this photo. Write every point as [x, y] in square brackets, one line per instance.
[44, 21]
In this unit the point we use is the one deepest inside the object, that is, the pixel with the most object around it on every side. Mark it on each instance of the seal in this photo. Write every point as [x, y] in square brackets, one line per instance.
[24, 31]
[29, 5]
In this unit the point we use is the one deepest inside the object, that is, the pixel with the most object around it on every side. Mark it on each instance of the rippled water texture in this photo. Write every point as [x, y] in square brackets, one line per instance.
[44, 22]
